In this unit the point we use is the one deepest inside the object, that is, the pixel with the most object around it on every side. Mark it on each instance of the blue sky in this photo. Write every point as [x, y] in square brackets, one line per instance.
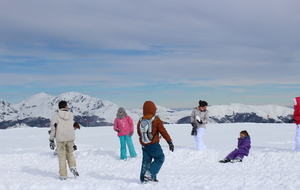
[171, 52]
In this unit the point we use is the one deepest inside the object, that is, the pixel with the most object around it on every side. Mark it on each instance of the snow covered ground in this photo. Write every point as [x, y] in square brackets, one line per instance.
[28, 163]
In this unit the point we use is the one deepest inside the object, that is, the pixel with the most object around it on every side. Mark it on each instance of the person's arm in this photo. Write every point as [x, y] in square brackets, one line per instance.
[296, 115]
[193, 116]
[116, 125]
[205, 118]
[53, 126]
[131, 126]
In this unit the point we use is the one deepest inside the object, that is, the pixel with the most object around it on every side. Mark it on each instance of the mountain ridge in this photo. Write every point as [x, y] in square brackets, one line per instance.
[37, 110]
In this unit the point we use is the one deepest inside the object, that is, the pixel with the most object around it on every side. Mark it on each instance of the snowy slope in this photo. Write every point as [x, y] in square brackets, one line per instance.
[44, 105]
[7, 111]
[28, 163]
[273, 111]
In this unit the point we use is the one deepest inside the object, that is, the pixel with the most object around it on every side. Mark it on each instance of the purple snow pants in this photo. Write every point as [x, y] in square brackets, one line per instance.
[237, 153]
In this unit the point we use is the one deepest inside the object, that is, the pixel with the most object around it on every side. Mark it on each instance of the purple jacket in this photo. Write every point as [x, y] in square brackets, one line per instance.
[244, 145]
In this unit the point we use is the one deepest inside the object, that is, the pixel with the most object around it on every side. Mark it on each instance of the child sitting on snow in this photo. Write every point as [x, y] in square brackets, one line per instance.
[244, 145]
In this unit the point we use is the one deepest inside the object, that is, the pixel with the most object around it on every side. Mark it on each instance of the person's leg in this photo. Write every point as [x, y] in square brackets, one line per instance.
[232, 155]
[70, 155]
[130, 146]
[123, 151]
[61, 153]
[71, 158]
[146, 161]
[157, 154]
[199, 142]
[297, 138]
[239, 155]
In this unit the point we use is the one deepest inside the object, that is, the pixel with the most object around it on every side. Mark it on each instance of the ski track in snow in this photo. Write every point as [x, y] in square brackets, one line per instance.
[28, 163]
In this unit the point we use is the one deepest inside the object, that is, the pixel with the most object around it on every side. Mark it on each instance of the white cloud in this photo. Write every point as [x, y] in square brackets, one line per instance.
[138, 43]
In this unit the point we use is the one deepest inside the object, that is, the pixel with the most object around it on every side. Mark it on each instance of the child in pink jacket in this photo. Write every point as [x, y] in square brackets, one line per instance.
[124, 126]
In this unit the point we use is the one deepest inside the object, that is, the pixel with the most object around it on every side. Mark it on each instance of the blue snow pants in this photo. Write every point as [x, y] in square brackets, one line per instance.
[152, 152]
[126, 139]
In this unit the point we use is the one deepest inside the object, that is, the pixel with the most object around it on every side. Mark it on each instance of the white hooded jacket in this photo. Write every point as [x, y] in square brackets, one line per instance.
[64, 130]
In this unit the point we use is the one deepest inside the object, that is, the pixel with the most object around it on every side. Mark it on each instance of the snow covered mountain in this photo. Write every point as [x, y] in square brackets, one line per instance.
[37, 110]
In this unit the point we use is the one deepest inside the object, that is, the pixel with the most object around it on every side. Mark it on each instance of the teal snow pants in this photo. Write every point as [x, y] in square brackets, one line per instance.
[126, 139]
[153, 159]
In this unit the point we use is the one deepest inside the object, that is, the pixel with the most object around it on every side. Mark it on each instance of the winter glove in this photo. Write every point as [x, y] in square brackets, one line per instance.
[131, 133]
[200, 122]
[194, 129]
[292, 120]
[171, 146]
[118, 130]
[52, 145]
[49, 132]
[75, 147]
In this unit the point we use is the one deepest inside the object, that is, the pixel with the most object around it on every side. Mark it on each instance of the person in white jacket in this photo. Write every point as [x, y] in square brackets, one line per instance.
[199, 118]
[63, 131]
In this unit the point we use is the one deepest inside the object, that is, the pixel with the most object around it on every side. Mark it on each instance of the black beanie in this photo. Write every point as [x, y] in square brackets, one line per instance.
[202, 103]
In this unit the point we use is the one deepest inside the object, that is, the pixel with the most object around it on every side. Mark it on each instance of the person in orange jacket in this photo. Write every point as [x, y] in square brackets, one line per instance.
[153, 156]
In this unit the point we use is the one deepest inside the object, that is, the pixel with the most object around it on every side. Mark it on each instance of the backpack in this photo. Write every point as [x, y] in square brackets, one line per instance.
[146, 129]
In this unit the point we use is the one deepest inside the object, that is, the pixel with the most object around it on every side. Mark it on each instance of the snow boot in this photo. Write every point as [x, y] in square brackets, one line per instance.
[147, 179]
[74, 171]
[236, 160]
[224, 160]
[62, 178]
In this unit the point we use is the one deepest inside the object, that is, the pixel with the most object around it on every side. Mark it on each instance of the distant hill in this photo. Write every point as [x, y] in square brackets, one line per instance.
[37, 111]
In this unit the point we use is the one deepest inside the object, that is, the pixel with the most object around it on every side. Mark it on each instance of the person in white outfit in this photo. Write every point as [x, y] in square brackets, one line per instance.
[63, 131]
[199, 118]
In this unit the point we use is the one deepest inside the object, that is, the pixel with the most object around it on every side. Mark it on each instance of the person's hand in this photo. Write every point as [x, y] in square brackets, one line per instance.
[171, 146]
[200, 122]
[194, 131]
[75, 147]
[118, 130]
[52, 145]
[131, 133]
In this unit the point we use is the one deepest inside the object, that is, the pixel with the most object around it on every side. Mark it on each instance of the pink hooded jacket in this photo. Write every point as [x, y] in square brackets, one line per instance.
[125, 125]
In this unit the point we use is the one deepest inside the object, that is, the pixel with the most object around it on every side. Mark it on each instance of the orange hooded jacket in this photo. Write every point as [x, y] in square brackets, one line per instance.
[149, 110]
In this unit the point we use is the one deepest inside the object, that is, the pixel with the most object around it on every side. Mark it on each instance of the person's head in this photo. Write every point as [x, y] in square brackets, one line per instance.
[62, 104]
[76, 125]
[244, 133]
[121, 113]
[202, 105]
[149, 108]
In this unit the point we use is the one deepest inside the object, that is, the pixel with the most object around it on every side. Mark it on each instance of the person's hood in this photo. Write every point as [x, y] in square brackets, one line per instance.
[64, 114]
[149, 108]
[297, 101]
[124, 114]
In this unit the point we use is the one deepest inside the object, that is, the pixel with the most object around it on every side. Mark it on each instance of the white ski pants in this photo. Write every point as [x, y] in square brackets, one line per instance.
[198, 138]
[297, 138]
